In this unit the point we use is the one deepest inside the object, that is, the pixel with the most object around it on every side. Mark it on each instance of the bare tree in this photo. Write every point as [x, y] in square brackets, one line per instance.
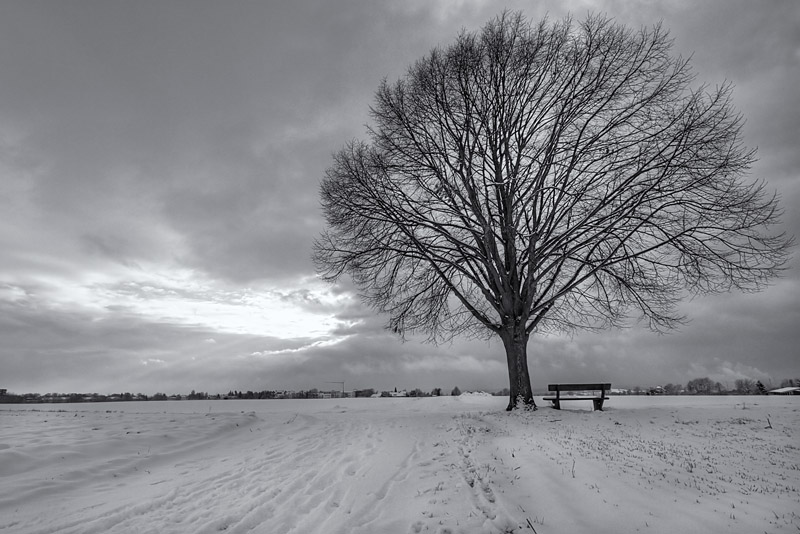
[700, 386]
[745, 386]
[546, 178]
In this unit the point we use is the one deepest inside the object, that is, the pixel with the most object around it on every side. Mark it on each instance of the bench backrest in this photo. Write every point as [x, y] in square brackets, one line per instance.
[578, 387]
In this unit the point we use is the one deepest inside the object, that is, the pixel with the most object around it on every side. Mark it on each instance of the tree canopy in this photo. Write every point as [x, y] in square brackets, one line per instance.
[545, 178]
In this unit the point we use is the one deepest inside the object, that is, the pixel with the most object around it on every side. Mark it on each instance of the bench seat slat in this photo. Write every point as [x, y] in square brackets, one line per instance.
[575, 397]
[577, 387]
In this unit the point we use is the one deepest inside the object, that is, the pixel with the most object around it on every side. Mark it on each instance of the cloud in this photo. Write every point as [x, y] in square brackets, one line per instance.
[300, 349]
[159, 173]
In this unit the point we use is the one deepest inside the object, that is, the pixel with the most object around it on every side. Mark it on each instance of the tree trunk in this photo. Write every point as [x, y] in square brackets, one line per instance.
[516, 345]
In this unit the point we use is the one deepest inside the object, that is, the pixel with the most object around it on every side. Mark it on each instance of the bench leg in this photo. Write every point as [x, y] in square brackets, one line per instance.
[598, 404]
[556, 404]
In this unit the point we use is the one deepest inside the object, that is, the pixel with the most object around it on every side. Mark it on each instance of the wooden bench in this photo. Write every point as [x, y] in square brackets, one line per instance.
[596, 400]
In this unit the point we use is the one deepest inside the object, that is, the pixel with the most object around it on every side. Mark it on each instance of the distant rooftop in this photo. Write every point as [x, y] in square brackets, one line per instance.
[785, 391]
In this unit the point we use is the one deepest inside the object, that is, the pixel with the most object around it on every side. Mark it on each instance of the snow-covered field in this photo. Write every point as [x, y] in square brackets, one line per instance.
[439, 465]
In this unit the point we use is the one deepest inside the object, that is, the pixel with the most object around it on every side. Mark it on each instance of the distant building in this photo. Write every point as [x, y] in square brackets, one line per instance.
[785, 391]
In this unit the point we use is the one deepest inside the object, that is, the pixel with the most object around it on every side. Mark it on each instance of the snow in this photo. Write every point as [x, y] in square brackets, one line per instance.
[430, 465]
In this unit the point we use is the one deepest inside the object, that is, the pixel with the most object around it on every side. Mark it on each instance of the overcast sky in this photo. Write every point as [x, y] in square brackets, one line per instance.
[159, 174]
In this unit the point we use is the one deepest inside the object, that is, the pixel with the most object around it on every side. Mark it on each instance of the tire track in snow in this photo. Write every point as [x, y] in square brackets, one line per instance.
[371, 511]
[479, 469]
[277, 476]
[340, 472]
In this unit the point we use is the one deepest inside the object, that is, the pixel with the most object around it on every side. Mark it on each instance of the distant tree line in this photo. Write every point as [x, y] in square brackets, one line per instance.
[6, 397]
[12, 398]
[706, 386]
[697, 386]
